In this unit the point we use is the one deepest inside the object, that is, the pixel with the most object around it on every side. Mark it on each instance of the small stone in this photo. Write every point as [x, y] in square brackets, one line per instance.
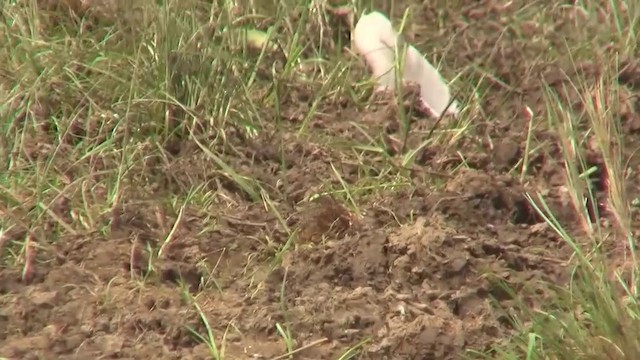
[42, 298]
[110, 344]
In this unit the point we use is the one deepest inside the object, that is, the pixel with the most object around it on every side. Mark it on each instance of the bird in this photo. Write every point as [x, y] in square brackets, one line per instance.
[375, 39]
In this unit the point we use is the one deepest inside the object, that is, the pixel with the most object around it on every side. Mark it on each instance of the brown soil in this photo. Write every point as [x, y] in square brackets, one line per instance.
[419, 272]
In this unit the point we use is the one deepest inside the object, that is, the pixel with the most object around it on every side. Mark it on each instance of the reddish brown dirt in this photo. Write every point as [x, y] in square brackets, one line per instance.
[419, 273]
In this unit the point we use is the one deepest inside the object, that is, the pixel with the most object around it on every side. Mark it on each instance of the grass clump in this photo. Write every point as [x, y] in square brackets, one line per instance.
[596, 315]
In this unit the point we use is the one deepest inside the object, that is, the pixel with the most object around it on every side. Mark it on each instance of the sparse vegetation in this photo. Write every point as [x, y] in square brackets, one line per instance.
[217, 180]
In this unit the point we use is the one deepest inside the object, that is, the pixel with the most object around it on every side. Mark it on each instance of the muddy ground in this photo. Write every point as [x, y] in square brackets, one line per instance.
[419, 271]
